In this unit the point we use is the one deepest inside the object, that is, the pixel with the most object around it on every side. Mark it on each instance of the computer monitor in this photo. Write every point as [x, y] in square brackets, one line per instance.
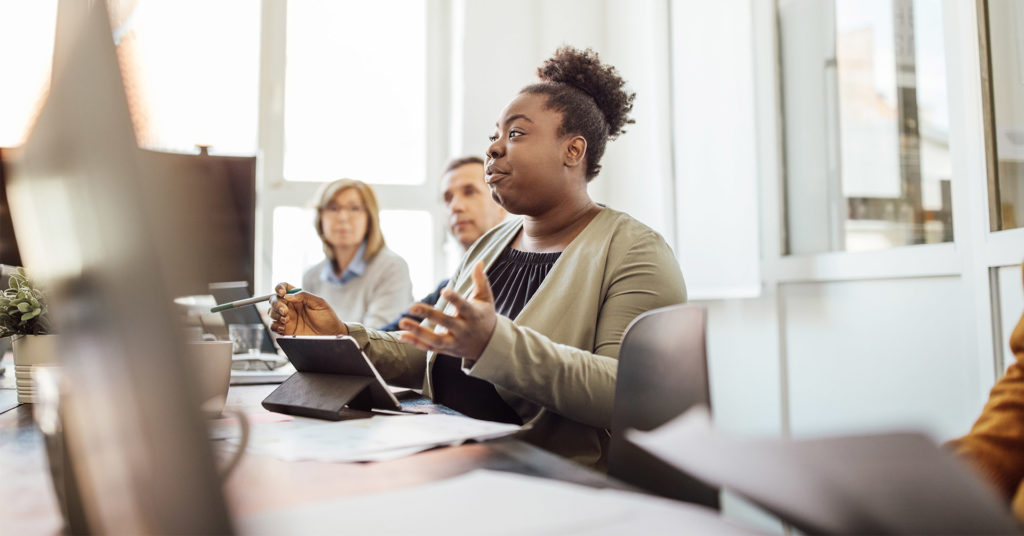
[9, 256]
[97, 223]
[224, 204]
[8, 244]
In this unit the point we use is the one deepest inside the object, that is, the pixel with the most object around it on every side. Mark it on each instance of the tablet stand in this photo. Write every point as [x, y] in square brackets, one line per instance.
[333, 397]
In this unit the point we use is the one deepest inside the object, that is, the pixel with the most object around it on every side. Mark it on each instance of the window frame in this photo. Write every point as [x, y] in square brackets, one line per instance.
[273, 191]
[976, 252]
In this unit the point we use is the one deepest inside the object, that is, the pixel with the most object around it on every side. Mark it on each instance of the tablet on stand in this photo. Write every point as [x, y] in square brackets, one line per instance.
[334, 380]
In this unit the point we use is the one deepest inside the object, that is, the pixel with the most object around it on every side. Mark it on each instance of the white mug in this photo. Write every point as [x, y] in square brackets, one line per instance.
[210, 362]
[211, 366]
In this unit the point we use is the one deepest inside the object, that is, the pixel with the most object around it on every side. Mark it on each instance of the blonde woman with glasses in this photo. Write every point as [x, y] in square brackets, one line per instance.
[360, 277]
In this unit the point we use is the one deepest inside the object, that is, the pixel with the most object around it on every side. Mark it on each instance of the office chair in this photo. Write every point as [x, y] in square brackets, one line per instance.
[662, 373]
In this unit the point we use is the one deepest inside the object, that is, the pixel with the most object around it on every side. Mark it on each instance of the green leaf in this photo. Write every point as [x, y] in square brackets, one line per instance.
[22, 307]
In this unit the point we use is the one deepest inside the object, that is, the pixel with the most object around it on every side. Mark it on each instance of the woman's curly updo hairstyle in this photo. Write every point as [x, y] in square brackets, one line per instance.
[590, 97]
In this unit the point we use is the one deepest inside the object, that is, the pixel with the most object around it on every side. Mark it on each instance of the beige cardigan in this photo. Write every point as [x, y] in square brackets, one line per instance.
[556, 363]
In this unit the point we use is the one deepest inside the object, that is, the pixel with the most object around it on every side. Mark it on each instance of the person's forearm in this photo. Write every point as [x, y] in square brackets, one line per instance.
[996, 441]
[534, 367]
[397, 362]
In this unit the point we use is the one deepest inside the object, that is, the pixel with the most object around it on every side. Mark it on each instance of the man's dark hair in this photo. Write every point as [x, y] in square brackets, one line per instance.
[456, 163]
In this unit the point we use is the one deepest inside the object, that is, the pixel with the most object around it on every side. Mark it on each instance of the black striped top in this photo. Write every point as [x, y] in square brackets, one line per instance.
[515, 277]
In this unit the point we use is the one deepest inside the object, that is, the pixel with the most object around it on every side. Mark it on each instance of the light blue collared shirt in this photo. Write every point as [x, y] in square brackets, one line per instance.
[355, 269]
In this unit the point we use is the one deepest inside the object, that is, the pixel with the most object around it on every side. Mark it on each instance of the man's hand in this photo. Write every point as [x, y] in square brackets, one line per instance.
[303, 314]
[464, 335]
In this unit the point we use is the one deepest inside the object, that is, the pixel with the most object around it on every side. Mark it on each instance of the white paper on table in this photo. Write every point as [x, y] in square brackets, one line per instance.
[371, 439]
[494, 503]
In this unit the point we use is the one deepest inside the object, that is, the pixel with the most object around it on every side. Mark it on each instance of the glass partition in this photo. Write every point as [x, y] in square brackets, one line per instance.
[1002, 25]
[866, 124]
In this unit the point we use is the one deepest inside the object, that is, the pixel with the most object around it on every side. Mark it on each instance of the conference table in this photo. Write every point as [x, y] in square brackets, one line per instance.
[262, 484]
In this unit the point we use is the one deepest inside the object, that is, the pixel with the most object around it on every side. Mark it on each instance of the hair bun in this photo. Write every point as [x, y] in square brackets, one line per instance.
[584, 71]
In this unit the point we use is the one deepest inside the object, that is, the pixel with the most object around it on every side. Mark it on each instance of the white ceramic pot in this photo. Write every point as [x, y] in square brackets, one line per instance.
[30, 351]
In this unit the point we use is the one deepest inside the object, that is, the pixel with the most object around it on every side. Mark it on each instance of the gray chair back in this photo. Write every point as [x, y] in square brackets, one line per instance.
[662, 373]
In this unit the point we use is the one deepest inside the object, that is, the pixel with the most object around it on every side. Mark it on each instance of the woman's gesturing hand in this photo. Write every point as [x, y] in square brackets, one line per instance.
[465, 334]
[303, 314]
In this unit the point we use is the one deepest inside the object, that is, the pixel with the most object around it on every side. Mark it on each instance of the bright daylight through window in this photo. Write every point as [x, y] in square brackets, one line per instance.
[866, 124]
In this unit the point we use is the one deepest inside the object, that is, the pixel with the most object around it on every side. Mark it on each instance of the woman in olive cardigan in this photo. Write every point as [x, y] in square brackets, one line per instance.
[552, 364]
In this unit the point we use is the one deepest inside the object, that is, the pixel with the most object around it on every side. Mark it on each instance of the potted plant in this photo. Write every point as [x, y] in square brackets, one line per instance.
[23, 317]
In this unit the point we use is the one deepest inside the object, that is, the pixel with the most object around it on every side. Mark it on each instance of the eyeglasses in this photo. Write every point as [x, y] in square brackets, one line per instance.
[347, 210]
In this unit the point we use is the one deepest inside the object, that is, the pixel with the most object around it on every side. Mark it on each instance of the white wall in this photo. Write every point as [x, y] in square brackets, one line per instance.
[504, 45]
[879, 354]
[714, 147]
[638, 165]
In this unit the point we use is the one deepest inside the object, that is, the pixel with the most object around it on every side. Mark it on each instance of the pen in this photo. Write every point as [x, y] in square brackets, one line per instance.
[248, 301]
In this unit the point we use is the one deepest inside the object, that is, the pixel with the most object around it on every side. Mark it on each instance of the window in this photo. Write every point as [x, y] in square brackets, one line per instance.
[408, 233]
[191, 71]
[1003, 21]
[353, 102]
[26, 49]
[296, 244]
[190, 79]
[866, 124]
[350, 113]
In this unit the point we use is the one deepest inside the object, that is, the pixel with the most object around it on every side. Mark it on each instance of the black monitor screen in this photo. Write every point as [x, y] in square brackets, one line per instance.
[230, 291]
[8, 245]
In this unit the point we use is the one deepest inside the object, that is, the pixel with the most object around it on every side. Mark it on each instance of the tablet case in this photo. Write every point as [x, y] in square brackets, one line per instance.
[334, 380]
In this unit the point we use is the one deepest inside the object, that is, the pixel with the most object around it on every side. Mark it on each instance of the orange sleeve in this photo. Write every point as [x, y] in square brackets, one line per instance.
[995, 444]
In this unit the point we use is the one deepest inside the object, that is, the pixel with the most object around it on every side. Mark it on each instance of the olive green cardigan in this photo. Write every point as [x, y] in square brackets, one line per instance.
[556, 363]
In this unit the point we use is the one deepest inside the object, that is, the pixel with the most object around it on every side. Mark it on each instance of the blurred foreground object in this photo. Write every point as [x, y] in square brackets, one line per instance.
[98, 223]
[893, 483]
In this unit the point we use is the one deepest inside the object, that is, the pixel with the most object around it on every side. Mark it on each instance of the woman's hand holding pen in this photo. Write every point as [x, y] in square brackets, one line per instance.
[303, 314]
[465, 334]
